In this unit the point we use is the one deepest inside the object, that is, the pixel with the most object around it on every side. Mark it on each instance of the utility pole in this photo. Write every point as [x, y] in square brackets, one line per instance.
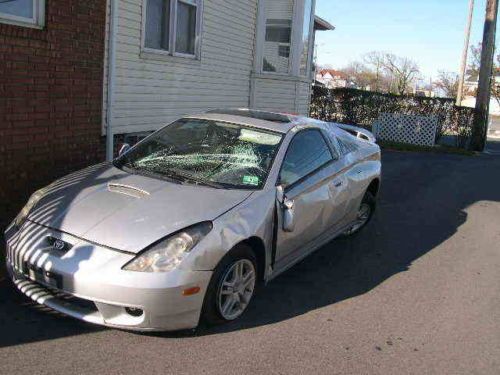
[463, 67]
[479, 130]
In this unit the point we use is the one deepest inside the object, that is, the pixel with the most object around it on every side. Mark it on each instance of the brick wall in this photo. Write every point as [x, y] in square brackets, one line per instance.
[50, 99]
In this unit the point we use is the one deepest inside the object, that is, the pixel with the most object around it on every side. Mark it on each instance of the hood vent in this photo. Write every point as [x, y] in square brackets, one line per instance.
[127, 190]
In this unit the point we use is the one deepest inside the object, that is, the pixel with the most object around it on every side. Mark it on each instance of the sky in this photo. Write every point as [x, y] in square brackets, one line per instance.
[431, 32]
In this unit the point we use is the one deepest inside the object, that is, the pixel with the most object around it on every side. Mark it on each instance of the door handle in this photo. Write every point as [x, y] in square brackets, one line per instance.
[337, 183]
[288, 204]
[288, 215]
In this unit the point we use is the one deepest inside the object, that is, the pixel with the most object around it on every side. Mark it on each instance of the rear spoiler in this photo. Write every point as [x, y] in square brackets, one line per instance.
[357, 132]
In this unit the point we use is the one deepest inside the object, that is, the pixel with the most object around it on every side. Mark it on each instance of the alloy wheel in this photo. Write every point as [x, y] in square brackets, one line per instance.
[362, 218]
[236, 289]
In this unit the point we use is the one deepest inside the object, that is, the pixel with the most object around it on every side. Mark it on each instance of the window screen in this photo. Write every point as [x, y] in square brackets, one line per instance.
[157, 24]
[279, 16]
[186, 28]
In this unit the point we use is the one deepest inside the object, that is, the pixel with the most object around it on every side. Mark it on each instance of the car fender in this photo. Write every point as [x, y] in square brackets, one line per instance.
[252, 218]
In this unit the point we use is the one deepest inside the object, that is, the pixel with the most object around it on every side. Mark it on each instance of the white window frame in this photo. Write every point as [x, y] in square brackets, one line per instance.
[37, 21]
[173, 31]
[310, 56]
[295, 42]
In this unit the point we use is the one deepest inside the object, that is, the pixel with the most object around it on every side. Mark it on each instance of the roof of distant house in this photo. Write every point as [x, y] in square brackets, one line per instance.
[333, 73]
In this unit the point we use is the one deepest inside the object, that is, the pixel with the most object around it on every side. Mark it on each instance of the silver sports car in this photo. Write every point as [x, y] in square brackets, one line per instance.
[183, 226]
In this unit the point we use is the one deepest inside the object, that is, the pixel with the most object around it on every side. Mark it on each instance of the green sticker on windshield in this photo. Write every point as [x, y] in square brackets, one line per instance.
[251, 180]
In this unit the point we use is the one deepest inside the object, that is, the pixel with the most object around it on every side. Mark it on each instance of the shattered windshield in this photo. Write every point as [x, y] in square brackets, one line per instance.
[206, 152]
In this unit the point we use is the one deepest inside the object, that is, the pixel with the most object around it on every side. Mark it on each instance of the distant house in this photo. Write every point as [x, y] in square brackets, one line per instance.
[332, 78]
[470, 87]
[472, 82]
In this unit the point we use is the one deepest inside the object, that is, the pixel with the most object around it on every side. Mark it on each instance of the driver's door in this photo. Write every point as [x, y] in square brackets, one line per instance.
[315, 195]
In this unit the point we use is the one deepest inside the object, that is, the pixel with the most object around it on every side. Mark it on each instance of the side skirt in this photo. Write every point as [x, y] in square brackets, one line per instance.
[278, 271]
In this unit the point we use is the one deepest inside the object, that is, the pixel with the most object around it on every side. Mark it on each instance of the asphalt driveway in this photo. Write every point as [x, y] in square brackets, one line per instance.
[418, 291]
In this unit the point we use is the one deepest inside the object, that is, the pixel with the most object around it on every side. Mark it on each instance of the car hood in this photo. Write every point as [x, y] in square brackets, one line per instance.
[110, 207]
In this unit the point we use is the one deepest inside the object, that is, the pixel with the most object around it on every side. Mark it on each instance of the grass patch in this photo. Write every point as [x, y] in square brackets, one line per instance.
[397, 146]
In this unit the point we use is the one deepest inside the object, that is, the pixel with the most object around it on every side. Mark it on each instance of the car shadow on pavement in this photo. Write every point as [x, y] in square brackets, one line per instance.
[423, 202]
[23, 321]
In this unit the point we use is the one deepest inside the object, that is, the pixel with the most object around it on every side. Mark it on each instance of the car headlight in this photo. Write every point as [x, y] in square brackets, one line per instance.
[23, 214]
[169, 253]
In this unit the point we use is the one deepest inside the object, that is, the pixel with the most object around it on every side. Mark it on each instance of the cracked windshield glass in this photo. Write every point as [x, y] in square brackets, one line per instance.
[206, 152]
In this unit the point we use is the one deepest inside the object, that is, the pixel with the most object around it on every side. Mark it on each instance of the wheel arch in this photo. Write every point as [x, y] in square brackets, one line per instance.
[374, 186]
[259, 248]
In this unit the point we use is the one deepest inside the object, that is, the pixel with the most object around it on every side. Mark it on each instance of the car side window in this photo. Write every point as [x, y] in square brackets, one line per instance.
[307, 152]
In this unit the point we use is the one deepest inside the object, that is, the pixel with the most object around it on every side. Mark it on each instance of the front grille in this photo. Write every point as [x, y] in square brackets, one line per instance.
[41, 293]
[69, 299]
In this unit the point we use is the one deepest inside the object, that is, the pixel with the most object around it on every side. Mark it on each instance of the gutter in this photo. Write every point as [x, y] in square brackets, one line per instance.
[113, 29]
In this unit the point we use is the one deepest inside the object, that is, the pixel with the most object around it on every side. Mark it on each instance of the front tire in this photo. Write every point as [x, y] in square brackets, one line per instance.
[364, 215]
[232, 286]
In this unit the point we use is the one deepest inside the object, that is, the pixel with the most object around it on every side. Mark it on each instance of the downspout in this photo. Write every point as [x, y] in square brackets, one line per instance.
[113, 28]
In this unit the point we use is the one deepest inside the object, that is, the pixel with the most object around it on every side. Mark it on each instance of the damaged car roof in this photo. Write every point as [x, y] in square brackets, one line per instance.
[275, 126]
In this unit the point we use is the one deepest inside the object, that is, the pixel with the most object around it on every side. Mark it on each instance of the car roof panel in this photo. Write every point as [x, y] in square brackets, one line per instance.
[279, 127]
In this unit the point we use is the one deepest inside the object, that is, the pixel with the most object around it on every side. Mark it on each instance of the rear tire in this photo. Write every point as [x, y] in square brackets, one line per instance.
[365, 213]
[231, 287]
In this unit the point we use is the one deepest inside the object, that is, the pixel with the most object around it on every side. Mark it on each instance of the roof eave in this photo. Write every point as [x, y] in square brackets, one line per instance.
[322, 25]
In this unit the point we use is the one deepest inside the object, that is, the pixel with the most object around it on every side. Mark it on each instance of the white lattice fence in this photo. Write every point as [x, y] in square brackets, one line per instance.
[417, 130]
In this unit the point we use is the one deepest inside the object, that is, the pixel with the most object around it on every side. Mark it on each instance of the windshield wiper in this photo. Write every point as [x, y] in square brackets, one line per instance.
[147, 173]
[190, 178]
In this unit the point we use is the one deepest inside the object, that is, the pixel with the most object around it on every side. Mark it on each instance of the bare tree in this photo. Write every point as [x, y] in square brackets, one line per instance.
[473, 71]
[448, 82]
[495, 84]
[375, 60]
[403, 71]
[359, 75]
[382, 72]
[369, 74]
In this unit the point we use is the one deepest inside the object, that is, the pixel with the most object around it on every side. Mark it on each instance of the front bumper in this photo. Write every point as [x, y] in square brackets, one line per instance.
[87, 283]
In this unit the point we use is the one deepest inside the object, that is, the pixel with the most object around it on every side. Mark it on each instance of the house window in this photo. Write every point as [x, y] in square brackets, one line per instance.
[172, 26]
[285, 37]
[278, 36]
[29, 13]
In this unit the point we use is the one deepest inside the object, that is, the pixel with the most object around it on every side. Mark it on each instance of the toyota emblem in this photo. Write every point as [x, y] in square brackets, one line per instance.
[59, 245]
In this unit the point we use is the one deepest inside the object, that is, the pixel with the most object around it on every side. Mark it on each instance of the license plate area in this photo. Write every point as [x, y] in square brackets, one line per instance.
[38, 274]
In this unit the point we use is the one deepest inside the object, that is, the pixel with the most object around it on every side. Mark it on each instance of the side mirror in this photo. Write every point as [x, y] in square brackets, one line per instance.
[287, 209]
[125, 147]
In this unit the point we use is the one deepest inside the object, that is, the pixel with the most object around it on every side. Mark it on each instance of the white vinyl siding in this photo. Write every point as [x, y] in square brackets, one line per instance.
[286, 95]
[303, 99]
[152, 90]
